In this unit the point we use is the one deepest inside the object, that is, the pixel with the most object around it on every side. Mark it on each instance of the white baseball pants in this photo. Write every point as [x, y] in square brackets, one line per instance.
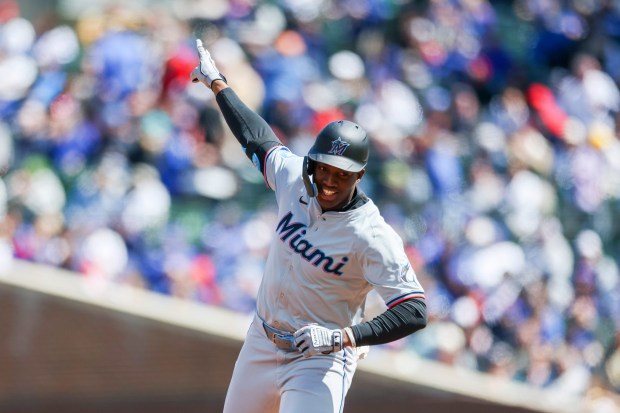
[269, 380]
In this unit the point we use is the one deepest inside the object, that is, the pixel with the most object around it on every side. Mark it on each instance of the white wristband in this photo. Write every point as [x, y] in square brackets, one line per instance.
[349, 333]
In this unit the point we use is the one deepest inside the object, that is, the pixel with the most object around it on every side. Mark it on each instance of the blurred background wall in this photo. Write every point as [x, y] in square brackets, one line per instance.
[62, 350]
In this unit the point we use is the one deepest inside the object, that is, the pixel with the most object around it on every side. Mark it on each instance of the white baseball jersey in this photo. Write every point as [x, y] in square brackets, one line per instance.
[322, 265]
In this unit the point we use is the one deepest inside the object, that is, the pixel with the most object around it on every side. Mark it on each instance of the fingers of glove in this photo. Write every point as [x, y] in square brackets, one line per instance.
[201, 49]
[205, 58]
[303, 346]
[299, 341]
[303, 330]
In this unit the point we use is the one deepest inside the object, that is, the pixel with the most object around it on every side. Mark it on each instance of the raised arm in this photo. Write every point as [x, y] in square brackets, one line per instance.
[251, 130]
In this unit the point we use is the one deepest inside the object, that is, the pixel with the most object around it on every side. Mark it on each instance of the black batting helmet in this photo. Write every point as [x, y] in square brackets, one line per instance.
[342, 144]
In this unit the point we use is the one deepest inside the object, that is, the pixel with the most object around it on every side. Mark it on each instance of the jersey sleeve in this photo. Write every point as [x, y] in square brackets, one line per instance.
[282, 168]
[387, 268]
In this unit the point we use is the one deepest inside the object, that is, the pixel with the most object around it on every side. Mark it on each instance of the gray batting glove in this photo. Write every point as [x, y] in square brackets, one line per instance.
[314, 339]
[205, 72]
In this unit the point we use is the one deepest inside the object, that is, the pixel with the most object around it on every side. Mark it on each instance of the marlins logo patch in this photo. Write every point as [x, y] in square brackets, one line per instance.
[406, 272]
[338, 147]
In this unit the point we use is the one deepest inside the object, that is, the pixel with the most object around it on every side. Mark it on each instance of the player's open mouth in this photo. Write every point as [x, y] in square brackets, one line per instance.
[328, 195]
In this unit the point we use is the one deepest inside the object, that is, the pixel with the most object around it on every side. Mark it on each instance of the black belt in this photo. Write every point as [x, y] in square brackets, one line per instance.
[282, 339]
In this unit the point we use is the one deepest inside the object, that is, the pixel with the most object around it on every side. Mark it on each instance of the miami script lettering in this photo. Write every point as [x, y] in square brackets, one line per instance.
[292, 233]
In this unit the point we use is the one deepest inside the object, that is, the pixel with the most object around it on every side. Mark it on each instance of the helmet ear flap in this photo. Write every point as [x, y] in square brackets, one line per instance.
[307, 170]
[310, 165]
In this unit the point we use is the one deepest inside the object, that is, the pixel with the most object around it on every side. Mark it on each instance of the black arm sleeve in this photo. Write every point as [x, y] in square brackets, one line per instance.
[395, 323]
[253, 133]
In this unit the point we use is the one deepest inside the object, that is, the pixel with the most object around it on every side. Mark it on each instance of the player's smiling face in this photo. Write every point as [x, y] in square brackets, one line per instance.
[335, 186]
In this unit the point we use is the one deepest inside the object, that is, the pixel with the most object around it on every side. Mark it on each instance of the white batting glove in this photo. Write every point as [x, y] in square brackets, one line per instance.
[205, 72]
[314, 339]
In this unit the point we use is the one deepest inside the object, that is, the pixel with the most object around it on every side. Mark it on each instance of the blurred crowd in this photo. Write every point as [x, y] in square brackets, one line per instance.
[496, 156]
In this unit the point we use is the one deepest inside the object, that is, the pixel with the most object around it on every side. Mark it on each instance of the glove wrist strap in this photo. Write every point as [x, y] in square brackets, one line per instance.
[221, 77]
[337, 340]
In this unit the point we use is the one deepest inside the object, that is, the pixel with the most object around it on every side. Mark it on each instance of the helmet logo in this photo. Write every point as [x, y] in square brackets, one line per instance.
[338, 147]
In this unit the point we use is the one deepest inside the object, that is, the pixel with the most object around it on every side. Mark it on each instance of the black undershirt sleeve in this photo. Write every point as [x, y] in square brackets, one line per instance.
[251, 130]
[395, 323]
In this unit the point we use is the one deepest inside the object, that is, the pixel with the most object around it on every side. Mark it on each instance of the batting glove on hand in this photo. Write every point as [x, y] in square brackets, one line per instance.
[314, 339]
[205, 72]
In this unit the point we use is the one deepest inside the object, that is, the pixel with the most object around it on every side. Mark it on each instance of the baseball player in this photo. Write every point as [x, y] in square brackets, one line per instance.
[331, 248]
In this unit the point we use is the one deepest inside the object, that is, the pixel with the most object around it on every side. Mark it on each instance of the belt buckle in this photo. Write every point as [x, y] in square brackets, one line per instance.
[284, 342]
